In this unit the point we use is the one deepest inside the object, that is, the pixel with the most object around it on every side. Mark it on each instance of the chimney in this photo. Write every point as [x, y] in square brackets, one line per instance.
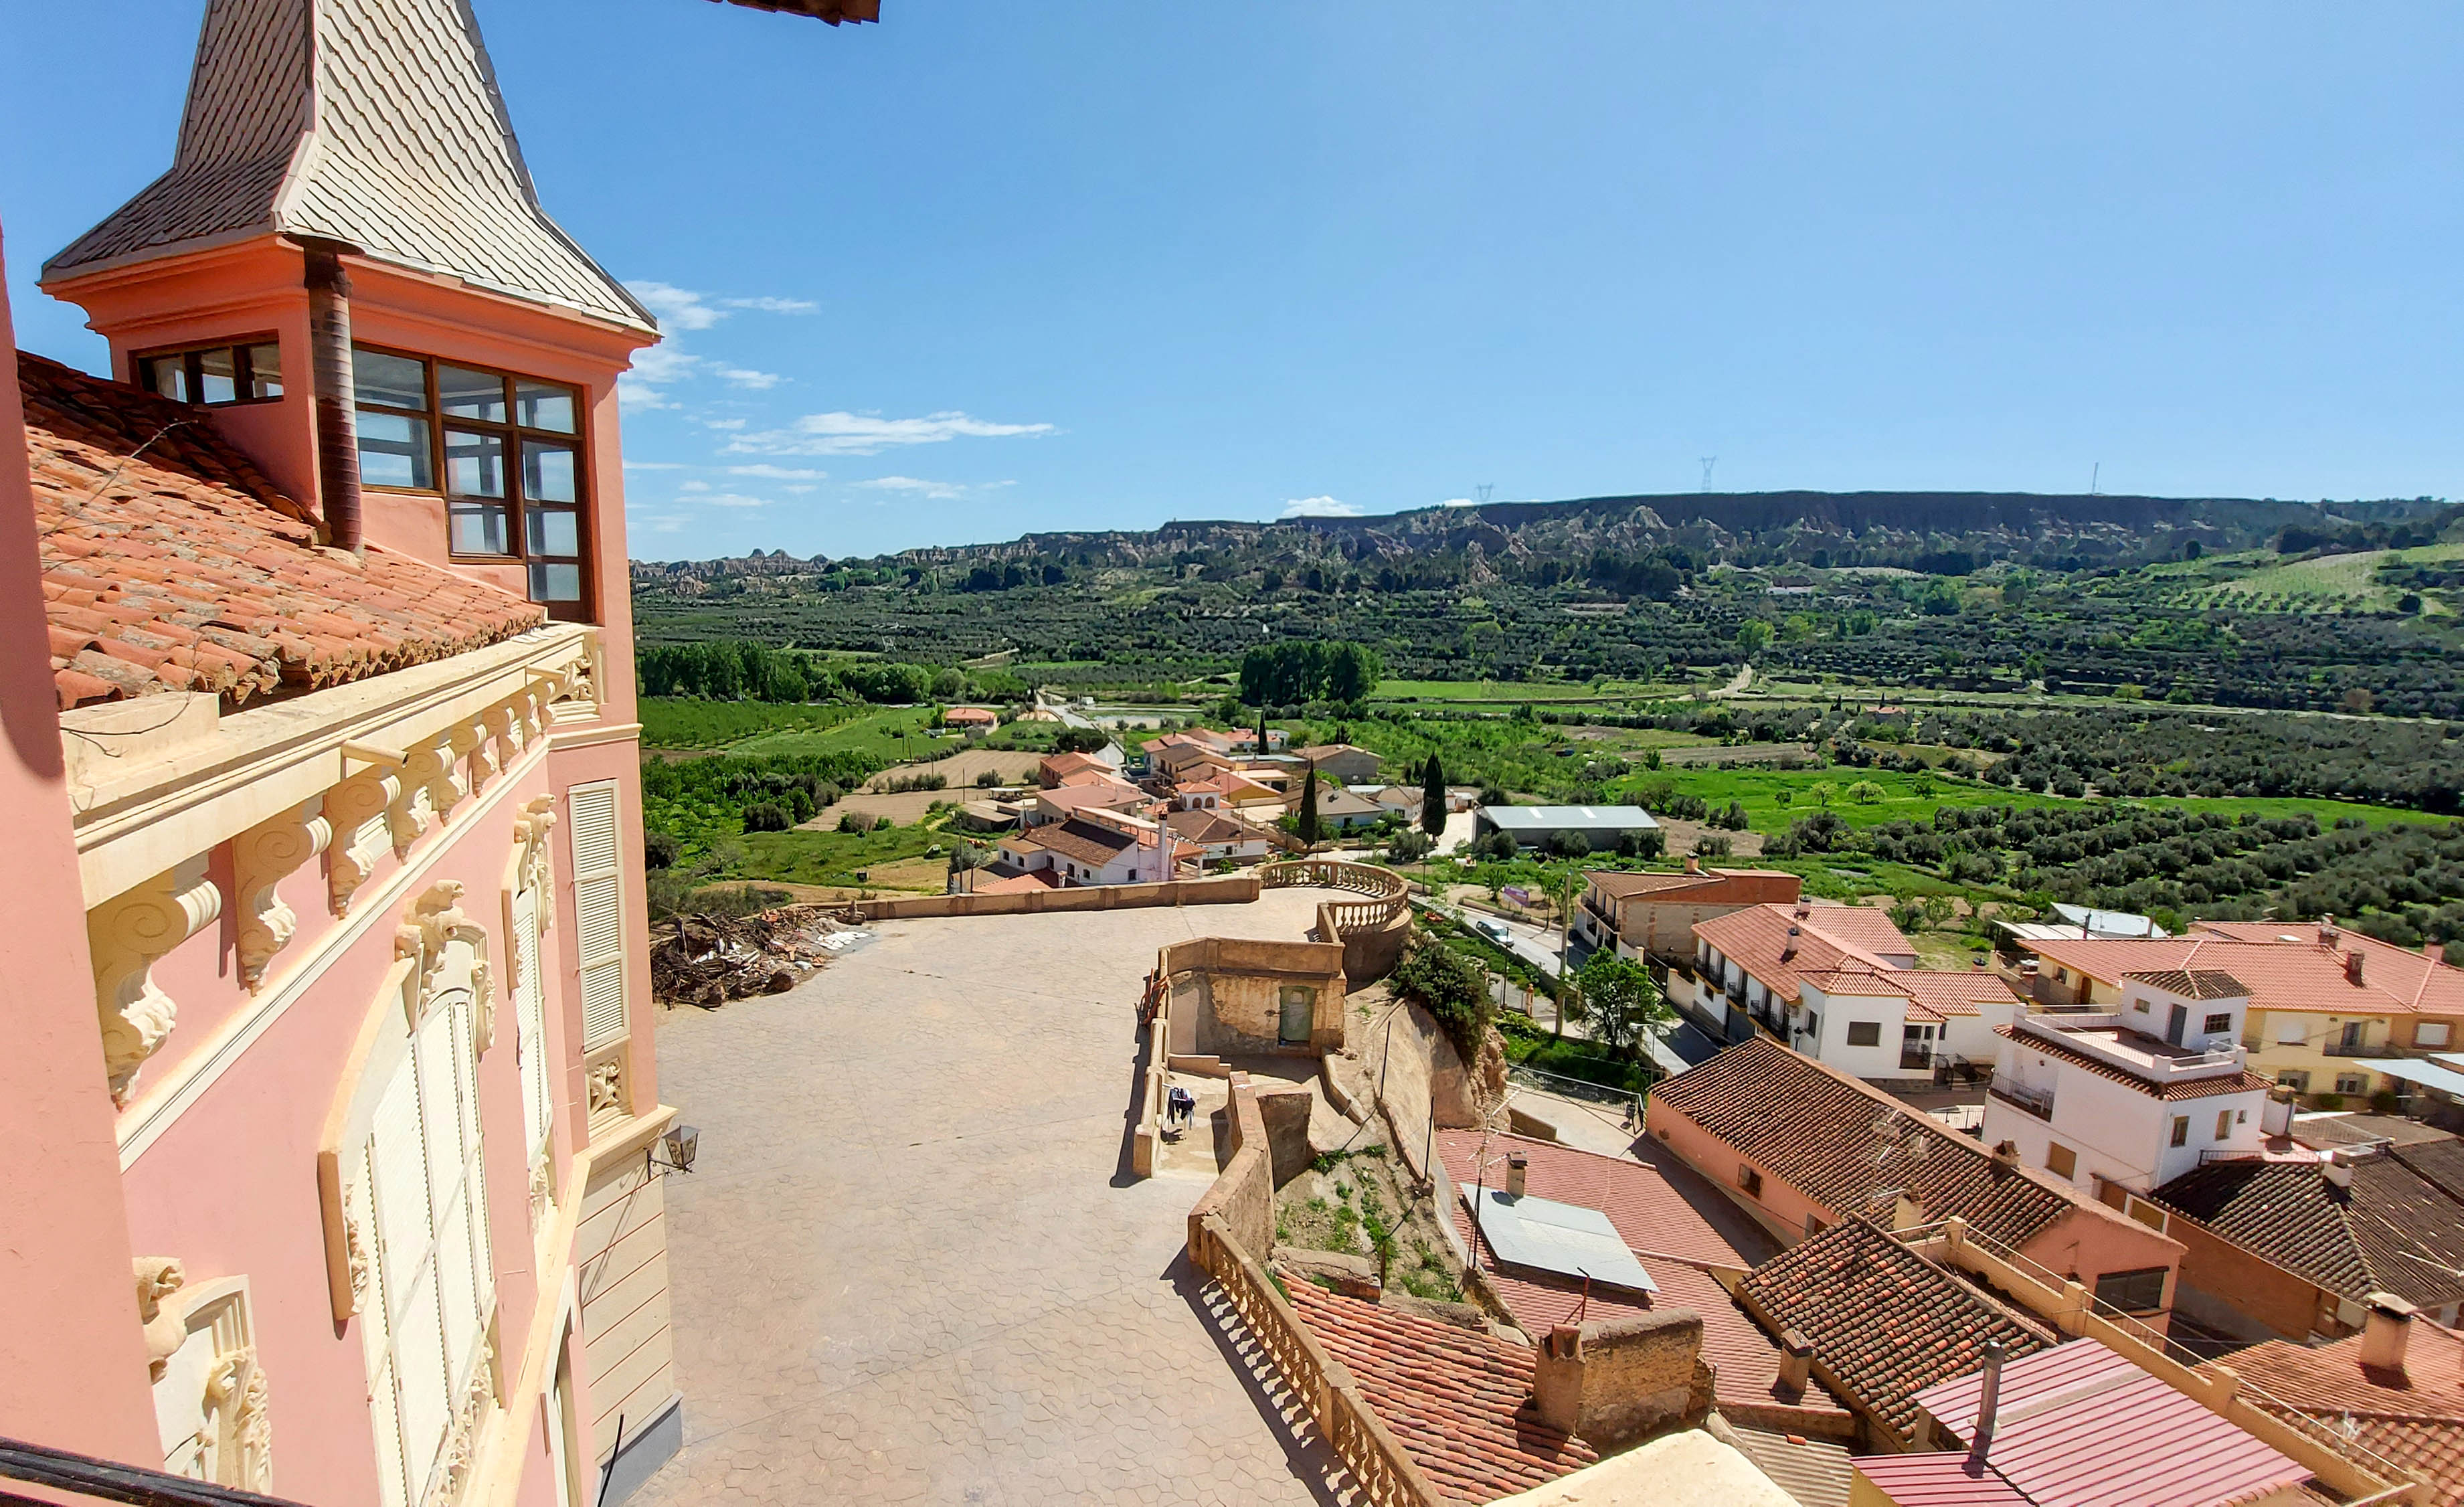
[1804, 909]
[1693, 865]
[1789, 950]
[2353, 967]
[1614, 1382]
[2328, 935]
[1795, 1362]
[1989, 1402]
[2385, 1332]
[1518, 1170]
[333, 391]
[2339, 1171]
[1905, 1213]
[2435, 951]
[2006, 1153]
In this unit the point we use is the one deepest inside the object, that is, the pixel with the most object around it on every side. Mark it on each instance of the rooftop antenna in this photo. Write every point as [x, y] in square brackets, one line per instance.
[1708, 461]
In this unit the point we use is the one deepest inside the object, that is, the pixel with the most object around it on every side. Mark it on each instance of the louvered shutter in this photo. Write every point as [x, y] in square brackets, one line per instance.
[405, 1234]
[599, 912]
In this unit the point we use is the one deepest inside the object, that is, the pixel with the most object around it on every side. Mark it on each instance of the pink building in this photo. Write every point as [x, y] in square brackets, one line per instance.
[339, 1139]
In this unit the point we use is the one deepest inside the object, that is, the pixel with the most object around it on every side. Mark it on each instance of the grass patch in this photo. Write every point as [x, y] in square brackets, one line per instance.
[893, 734]
[834, 857]
[690, 722]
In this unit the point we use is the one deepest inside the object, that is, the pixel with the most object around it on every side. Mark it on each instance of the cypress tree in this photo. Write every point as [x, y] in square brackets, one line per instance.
[1433, 797]
[1262, 731]
[1309, 806]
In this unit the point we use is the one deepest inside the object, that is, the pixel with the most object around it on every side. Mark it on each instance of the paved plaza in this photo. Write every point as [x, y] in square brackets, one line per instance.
[911, 1265]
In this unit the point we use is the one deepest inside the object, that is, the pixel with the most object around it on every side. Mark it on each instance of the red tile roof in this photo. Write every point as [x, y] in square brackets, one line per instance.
[1811, 1126]
[1829, 939]
[2082, 1426]
[171, 563]
[2414, 1418]
[1937, 993]
[2432, 988]
[1054, 766]
[2396, 1229]
[1453, 1398]
[1754, 885]
[1883, 1320]
[2298, 975]
[2242, 1082]
[1677, 1225]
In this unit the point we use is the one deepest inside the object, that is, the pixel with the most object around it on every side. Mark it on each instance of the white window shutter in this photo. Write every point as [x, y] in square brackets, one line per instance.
[599, 912]
[530, 1010]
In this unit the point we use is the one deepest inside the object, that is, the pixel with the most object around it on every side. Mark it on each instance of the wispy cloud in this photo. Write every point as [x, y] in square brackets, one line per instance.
[720, 423]
[638, 395]
[730, 499]
[658, 522]
[768, 304]
[678, 308]
[745, 377]
[916, 487]
[777, 472]
[650, 466]
[843, 433]
[1320, 507]
[695, 486]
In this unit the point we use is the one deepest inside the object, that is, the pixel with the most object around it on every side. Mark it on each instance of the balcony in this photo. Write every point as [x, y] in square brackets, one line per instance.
[2341, 1048]
[2114, 1039]
[2023, 1096]
[1916, 1058]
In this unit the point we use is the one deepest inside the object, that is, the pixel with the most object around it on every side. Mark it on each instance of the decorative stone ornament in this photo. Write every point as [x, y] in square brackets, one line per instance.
[260, 858]
[127, 935]
[356, 809]
[158, 1278]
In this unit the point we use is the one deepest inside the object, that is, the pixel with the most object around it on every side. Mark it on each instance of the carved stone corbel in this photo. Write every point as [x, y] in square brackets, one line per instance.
[262, 856]
[477, 743]
[126, 936]
[531, 829]
[359, 810]
[429, 923]
[158, 1278]
[432, 785]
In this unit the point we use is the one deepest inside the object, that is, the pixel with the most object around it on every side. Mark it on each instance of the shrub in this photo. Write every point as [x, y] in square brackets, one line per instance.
[1451, 989]
[1569, 845]
[766, 815]
[1712, 844]
[882, 824]
[660, 850]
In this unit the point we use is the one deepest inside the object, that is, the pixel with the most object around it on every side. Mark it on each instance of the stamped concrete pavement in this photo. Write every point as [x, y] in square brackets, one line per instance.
[910, 1265]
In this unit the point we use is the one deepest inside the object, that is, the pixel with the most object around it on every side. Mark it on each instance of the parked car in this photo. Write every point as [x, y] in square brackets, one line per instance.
[1492, 928]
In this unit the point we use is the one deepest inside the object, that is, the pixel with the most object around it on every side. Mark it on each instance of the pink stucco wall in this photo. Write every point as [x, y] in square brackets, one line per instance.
[75, 1376]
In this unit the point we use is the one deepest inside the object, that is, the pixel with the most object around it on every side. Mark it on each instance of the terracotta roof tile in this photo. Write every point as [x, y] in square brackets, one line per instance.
[2242, 1082]
[1883, 1320]
[2302, 974]
[2396, 1229]
[1812, 1127]
[171, 561]
[1829, 939]
[2414, 1418]
[1453, 1398]
[2432, 988]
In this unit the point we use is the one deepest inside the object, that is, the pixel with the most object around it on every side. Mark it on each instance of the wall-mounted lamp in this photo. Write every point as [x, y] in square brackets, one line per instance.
[681, 1142]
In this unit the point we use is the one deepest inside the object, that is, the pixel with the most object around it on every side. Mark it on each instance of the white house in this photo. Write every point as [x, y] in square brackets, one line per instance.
[1094, 847]
[2136, 1094]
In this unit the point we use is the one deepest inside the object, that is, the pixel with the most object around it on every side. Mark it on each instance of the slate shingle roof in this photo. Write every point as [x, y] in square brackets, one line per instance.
[1812, 1127]
[1883, 1321]
[1453, 1398]
[171, 563]
[2396, 1229]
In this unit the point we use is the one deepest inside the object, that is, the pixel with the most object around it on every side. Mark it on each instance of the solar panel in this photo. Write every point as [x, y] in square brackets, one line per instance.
[1567, 1239]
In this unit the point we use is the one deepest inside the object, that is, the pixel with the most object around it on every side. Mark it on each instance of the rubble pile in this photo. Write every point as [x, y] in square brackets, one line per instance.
[708, 960]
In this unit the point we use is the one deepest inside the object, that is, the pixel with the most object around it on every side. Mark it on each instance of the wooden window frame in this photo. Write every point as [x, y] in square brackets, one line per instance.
[512, 432]
[191, 356]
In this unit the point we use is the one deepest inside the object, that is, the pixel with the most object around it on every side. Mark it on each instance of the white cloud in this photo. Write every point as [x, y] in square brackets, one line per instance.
[1457, 502]
[768, 304]
[843, 433]
[659, 522]
[648, 466]
[777, 472]
[1320, 507]
[744, 377]
[678, 308]
[695, 486]
[638, 395]
[720, 423]
[916, 487]
[662, 364]
[799, 488]
[730, 499]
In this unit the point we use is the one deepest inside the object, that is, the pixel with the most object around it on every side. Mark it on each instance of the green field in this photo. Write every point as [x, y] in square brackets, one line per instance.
[893, 734]
[2330, 581]
[1506, 693]
[832, 858]
[691, 722]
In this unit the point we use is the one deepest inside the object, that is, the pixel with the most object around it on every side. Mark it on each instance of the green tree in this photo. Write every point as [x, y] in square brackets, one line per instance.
[1307, 820]
[1753, 634]
[1617, 999]
[1823, 792]
[1864, 793]
[1433, 797]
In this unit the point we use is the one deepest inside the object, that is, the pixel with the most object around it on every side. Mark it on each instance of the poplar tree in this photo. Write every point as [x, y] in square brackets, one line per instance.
[1433, 797]
[1309, 806]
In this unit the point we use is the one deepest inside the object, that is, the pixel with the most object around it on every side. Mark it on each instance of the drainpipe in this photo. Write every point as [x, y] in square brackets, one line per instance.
[329, 350]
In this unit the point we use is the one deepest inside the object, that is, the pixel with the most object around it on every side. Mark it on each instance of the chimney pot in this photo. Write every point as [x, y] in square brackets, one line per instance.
[2353, 967]
[2339, 1171]
[2328, 935]
[2384, 1332]
[2006, 1153]
[1518, 1170]
[1693, 865]
[1795, 1360]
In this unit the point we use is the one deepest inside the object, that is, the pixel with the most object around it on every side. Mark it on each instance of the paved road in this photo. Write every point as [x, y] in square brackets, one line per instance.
[910, 1265]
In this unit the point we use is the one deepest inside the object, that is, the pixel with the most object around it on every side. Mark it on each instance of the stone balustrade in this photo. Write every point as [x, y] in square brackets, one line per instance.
[1371, 931]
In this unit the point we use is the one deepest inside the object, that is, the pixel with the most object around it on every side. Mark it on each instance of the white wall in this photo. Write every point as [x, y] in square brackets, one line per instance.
[2117, 1132]
[1889, 1013]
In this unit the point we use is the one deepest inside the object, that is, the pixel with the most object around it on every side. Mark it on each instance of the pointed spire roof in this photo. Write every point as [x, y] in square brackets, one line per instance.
[376, 123]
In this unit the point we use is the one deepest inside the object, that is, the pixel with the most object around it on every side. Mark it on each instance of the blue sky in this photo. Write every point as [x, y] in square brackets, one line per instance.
[988, 267]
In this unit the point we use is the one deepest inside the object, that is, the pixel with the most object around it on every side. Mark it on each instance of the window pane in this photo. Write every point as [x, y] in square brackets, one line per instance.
[547, 473]
[555, 583]
[218, 375]
[265, 371]
[475, 464]
[168, 374]
[538, 405]
[395, 380]
[479, 530]
[553, 530]
[393, 451]
[466, 393]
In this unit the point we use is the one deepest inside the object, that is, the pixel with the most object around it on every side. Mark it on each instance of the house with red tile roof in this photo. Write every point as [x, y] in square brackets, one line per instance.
[1093, 847]
[1218, 838]
[331, 1015]
[1802, 1145]
[1653, 915]
[1089, 792]
[1839, 983]
[2135, 1096]
[1057, 769]
[2396, 1389]
[2077, 1426]
[2324, 1001]
[970, 719]
[1691, 1240]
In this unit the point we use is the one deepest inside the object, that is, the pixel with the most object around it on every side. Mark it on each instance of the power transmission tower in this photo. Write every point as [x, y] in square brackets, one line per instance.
[1708, 461]
[1484, 489]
